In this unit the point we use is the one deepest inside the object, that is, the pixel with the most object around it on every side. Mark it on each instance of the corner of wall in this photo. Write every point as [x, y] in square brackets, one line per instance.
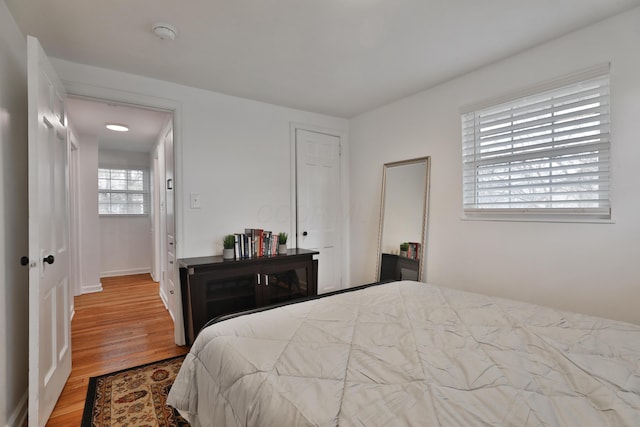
[19, 416]
[87, 289]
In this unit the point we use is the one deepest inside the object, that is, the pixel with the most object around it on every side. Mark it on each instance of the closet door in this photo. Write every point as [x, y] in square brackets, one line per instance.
[319, 220]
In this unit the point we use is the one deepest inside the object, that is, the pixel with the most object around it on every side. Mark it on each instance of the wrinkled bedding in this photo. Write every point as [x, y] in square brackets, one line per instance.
[409, 353]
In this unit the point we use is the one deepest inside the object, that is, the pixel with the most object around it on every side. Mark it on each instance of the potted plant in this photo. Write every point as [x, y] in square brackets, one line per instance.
[404, 247]
[228, 242]
[282, 243]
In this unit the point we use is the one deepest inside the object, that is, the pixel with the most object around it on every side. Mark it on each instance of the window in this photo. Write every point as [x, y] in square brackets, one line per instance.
[122, 192]
[542, 154]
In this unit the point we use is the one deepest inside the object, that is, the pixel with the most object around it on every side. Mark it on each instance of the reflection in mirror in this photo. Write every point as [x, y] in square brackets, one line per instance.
[403, 215]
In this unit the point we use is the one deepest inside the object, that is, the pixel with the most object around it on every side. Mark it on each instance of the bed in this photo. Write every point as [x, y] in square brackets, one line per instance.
[408, 353]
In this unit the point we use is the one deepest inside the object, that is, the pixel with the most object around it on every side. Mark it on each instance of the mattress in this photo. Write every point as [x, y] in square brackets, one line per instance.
[409, 353]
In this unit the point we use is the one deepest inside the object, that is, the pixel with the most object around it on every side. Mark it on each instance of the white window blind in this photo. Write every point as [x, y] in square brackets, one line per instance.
[122, 192]
[546, 153]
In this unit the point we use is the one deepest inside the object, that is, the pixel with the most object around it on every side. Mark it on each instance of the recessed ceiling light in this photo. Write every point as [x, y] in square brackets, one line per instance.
[117, 127]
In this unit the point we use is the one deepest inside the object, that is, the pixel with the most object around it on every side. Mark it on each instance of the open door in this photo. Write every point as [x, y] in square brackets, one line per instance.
[49, 323]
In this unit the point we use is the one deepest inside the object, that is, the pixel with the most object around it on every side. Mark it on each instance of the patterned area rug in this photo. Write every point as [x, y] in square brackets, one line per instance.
[134, 397]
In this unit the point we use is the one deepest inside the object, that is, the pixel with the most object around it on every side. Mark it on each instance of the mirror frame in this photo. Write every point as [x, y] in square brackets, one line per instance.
[425, 212]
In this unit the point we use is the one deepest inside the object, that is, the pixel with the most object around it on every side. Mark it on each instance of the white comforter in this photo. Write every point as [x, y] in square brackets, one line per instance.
[408, 353]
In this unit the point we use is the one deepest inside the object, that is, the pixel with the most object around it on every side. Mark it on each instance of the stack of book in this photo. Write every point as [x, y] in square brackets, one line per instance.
[414, 250]
[255, 242]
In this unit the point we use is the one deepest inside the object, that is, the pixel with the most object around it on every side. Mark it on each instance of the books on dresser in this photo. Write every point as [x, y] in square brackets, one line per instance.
[255, 242]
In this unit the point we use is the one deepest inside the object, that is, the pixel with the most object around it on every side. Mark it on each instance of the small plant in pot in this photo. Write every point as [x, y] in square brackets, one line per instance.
[228, 242]
[282, 243]
[404, 247]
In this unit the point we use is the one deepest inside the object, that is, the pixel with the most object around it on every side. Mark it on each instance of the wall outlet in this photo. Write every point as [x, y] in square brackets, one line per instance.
[195, 201]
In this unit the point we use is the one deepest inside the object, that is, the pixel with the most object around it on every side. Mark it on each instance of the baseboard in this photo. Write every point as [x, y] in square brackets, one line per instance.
[327, 290]
[127, 272]
[165, 301]
[19, 416]
[87, 289]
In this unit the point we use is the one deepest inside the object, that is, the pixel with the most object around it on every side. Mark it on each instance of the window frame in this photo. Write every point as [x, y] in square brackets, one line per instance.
[127, 192]
[476, 155]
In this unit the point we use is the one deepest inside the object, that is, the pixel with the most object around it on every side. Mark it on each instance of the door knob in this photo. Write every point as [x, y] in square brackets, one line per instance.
[24, 260]
[49, 260]
[304, 233]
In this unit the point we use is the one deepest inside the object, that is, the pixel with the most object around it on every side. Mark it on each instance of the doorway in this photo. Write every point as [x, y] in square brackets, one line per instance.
[124, 172]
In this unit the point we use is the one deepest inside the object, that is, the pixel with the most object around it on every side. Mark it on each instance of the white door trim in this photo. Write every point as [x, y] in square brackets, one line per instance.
[99, 93]
[344, 190]
[156, 270]
[75, 257]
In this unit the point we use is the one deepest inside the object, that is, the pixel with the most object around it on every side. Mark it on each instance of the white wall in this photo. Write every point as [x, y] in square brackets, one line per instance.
[590, 268]
[14, 285]
[125, 245]
[233, 151]
[125, 241]
[88, 213]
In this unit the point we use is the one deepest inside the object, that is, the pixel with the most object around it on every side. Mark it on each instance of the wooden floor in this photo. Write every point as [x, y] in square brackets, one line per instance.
[125, 325]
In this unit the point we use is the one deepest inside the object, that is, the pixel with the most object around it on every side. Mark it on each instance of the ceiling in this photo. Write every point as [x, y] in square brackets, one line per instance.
[339, 57]
[88, 117]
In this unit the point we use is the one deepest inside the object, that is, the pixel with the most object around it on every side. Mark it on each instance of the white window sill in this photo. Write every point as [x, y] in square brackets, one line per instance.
[515, 218]
[121, 215]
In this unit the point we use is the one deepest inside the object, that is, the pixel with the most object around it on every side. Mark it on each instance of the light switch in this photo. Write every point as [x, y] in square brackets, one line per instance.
[195, 201]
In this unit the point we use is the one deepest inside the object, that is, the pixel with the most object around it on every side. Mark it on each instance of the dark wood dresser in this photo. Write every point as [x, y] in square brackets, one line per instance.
[212, 286]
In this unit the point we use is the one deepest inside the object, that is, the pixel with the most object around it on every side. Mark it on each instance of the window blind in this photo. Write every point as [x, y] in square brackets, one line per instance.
[546, 153]
[122, 192]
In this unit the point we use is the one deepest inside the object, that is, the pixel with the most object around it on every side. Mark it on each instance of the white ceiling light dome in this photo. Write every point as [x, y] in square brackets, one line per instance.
[118, 127]
[165, 31]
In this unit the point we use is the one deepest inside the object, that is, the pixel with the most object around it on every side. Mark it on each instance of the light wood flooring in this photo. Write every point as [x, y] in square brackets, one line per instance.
[123, 326]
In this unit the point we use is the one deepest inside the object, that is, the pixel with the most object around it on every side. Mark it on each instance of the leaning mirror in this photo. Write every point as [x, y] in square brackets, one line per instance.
[403, 219]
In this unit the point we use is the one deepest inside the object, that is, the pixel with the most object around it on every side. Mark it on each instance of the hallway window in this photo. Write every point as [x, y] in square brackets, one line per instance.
[123, 192]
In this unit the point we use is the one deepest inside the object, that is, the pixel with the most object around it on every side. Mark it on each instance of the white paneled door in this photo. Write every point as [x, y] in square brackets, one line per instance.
[49, 322]
[318, 194]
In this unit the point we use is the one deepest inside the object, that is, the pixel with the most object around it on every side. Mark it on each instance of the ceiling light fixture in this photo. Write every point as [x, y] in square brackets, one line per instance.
[117, 127]
[165, 31]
